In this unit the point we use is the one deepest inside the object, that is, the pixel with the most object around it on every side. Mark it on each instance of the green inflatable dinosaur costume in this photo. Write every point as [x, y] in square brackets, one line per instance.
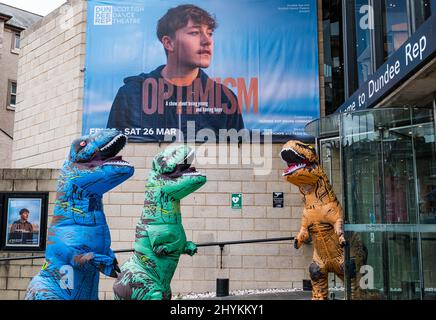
[160, 237]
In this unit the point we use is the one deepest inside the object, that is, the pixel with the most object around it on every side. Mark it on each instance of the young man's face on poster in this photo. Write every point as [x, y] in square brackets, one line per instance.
[191, 45]
[24, 216]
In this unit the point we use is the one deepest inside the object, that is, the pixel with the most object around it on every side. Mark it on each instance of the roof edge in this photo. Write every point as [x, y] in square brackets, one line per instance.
[5, 16]
[21, 9]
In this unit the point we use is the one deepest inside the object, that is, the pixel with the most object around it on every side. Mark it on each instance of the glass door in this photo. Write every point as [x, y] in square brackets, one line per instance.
[329, 155]
[363, 203]
[387, 157]
[425, 155]
[400, 215]
[331, 163]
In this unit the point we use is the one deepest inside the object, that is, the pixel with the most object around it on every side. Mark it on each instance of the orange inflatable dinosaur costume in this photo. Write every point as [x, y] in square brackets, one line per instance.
[322, 216]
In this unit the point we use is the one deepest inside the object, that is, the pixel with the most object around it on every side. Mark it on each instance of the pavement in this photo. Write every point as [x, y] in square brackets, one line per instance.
[296, 295]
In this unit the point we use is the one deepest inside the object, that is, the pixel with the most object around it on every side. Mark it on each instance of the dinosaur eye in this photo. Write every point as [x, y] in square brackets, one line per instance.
[83, 143]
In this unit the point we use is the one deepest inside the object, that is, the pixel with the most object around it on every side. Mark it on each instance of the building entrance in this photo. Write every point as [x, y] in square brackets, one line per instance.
[389, 179]
[385, 160]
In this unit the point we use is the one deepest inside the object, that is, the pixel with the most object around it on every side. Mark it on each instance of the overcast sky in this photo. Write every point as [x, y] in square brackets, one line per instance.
[41, 7]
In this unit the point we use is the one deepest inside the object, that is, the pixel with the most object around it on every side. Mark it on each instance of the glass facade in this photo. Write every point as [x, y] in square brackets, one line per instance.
[333, 55]
[388, 157]
[363, 24]
[382, 162]
[423, 10]
[374, 30]
[396, 27]
[382, 165]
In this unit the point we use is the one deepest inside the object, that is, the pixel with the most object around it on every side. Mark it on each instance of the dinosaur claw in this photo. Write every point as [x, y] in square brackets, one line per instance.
[113, 274]
[160, 251]
[117, 268]
[297, 244]
[342, 241]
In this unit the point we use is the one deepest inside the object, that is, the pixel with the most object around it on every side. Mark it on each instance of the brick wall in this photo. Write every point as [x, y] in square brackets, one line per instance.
[208, 217]
[15, 275]
[50, 87]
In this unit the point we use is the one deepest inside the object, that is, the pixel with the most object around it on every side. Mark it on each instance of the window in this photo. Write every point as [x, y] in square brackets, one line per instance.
[15, 43]
[12, 94]
[423, 10]
[333, 55]
[376, 30]
[397, 28]
[364, 25]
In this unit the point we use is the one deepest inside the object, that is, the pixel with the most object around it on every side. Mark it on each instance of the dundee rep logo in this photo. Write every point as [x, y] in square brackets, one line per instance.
[103, 15]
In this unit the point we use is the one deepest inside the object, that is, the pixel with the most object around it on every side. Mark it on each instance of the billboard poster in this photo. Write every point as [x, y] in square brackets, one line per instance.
[160, 70]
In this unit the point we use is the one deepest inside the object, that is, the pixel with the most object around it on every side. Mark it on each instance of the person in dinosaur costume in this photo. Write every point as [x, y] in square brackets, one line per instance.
[78, 245]
[322, 218]
[160, 237]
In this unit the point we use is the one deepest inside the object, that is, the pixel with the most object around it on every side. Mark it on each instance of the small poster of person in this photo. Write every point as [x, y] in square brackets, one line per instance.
[23, 222]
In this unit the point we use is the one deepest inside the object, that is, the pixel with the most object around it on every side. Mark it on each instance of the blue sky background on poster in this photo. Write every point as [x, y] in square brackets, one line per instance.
[15, 205]
[275, 41]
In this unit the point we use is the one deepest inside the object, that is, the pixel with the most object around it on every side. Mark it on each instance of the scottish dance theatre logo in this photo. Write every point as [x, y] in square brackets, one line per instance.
[103, 15]
[113, 15]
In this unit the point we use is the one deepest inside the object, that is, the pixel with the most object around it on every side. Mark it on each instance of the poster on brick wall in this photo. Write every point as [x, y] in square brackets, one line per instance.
[160, 70]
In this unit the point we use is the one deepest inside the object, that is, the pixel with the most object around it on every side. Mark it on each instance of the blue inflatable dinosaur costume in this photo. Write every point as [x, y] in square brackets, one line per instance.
[78, 245]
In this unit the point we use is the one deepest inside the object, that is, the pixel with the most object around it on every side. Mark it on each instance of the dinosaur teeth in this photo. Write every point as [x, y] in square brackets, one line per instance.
[190, 154]
[294, 168]
[114, 140]
[118, 163]
[189, 158]
[296, 153]
[192, 174]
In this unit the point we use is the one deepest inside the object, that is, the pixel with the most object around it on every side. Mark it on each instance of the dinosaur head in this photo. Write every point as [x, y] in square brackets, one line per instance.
[172, 171]
[93, 163]
[302, 162]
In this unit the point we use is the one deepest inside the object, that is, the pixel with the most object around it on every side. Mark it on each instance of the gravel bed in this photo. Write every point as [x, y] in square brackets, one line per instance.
[244, 292]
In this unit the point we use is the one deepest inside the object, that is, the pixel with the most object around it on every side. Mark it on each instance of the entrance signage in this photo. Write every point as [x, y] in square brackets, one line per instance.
[399, 67]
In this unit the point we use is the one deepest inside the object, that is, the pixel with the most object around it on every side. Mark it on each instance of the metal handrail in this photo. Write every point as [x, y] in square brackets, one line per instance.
[224, 243]
[221, 244]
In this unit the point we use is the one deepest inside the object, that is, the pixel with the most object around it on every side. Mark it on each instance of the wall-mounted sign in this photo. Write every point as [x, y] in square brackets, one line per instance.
[278, 199]
[236, 200]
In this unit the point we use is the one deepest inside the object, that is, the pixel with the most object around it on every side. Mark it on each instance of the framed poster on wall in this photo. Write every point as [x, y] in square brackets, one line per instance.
[24, 221]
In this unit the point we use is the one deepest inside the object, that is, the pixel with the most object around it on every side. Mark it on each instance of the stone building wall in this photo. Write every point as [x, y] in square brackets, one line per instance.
[50, 87]
[8, 64]
[8, 72]
[5, 150]
[15, 275]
